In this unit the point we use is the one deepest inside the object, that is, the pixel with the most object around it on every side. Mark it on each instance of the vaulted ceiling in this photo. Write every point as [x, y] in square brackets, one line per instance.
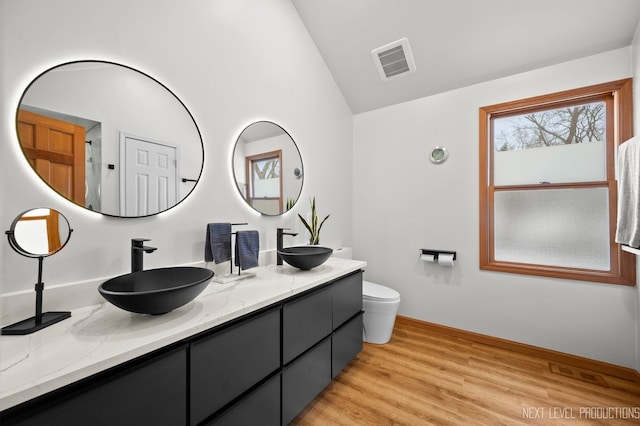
[457, 43]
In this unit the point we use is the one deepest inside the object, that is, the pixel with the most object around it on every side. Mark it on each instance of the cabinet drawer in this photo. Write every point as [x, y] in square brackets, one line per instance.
[346, 344]
[261, 407]
[304, 379]
[152, 391]
[347, 298]
[305, 322]
[228, 363]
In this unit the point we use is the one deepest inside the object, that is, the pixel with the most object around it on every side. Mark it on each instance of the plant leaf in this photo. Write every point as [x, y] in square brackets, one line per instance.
[322, 223]
[313, 227]
[304, 222]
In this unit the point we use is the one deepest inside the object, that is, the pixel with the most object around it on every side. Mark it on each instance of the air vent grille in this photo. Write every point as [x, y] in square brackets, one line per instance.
[394, 59]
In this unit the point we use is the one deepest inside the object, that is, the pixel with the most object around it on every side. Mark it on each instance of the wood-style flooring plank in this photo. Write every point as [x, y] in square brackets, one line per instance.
[425, 377]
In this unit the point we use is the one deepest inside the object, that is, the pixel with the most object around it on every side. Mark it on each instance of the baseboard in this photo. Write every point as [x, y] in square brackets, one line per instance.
[551, 355]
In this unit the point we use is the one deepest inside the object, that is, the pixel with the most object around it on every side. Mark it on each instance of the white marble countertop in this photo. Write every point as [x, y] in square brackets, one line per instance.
[101, 336]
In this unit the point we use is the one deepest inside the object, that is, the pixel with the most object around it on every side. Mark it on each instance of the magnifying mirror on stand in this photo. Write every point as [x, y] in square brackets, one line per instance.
[38, 233]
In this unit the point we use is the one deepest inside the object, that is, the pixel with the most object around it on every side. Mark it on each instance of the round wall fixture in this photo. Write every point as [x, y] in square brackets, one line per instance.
[439, 154]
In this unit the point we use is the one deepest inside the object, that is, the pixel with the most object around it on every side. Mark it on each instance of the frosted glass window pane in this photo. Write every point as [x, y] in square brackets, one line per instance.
[266, 178]
[557, 146]
[267, 188]
[556, 227]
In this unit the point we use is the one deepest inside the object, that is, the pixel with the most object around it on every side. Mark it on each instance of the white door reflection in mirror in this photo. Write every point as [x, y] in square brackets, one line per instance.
[148, 176]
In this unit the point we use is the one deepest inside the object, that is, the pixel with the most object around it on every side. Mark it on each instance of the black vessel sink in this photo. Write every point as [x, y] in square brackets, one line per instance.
[156, 291]
[305, 257]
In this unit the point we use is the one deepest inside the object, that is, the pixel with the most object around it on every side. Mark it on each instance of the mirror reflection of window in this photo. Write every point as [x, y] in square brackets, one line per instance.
[266, 178]
[38, 231]
[267, 168]
[265, 182]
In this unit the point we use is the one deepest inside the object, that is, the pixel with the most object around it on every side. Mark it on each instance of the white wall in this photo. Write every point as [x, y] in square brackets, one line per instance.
[231, 62]
[636, 131]
[402, 203]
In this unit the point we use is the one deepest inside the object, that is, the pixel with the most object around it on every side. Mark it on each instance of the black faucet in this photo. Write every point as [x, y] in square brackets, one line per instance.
[280, 234]
[137, 250]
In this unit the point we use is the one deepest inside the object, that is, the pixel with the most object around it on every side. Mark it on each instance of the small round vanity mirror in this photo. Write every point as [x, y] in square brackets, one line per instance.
[267, 168]
[39, 232]
[109, 138]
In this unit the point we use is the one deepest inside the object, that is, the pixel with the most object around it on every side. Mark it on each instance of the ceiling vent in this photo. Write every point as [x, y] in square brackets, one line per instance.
[394, 59]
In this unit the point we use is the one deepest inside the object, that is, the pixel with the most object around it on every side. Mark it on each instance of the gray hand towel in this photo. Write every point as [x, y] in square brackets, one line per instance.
[248, 248]
[217, 244]
[628, 226]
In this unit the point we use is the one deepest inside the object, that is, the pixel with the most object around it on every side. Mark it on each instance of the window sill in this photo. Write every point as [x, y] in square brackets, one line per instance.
[603, 277]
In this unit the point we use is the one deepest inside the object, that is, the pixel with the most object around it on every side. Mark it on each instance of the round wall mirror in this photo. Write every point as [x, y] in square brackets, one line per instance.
[39, 232]
[267, 167]
[110, 138]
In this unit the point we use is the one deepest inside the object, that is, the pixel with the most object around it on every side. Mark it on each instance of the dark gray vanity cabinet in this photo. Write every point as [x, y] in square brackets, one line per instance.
[151, 391]
[347, 321]
[305, 321]
[305, 378]
[346, 344]
[262, 368]
[229, 362]
[321, 334]
[260, 407]
[346, 295]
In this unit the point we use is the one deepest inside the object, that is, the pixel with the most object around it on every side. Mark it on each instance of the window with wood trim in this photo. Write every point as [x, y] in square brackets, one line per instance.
[547, 184]
[264, 191]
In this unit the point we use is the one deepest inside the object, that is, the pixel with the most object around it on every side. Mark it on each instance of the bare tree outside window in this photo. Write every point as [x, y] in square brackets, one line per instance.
[562, 126]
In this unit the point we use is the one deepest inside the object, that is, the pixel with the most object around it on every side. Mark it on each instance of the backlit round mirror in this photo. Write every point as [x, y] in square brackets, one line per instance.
[39, 232]
[110, 138]
[267, 167]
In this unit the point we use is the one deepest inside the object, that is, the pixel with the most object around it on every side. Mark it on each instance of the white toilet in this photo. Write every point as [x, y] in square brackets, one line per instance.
[380, 305]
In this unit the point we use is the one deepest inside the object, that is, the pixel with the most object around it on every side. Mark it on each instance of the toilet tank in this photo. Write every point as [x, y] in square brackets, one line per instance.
[343, 252]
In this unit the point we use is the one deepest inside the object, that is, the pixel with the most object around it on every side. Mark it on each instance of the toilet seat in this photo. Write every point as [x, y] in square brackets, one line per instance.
[379, 293]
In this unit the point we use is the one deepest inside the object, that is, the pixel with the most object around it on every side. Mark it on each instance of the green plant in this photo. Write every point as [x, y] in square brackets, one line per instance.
[290, 203]
[314, 227]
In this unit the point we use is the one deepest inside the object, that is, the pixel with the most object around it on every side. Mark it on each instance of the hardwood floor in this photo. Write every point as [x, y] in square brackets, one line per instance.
[425, 377]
